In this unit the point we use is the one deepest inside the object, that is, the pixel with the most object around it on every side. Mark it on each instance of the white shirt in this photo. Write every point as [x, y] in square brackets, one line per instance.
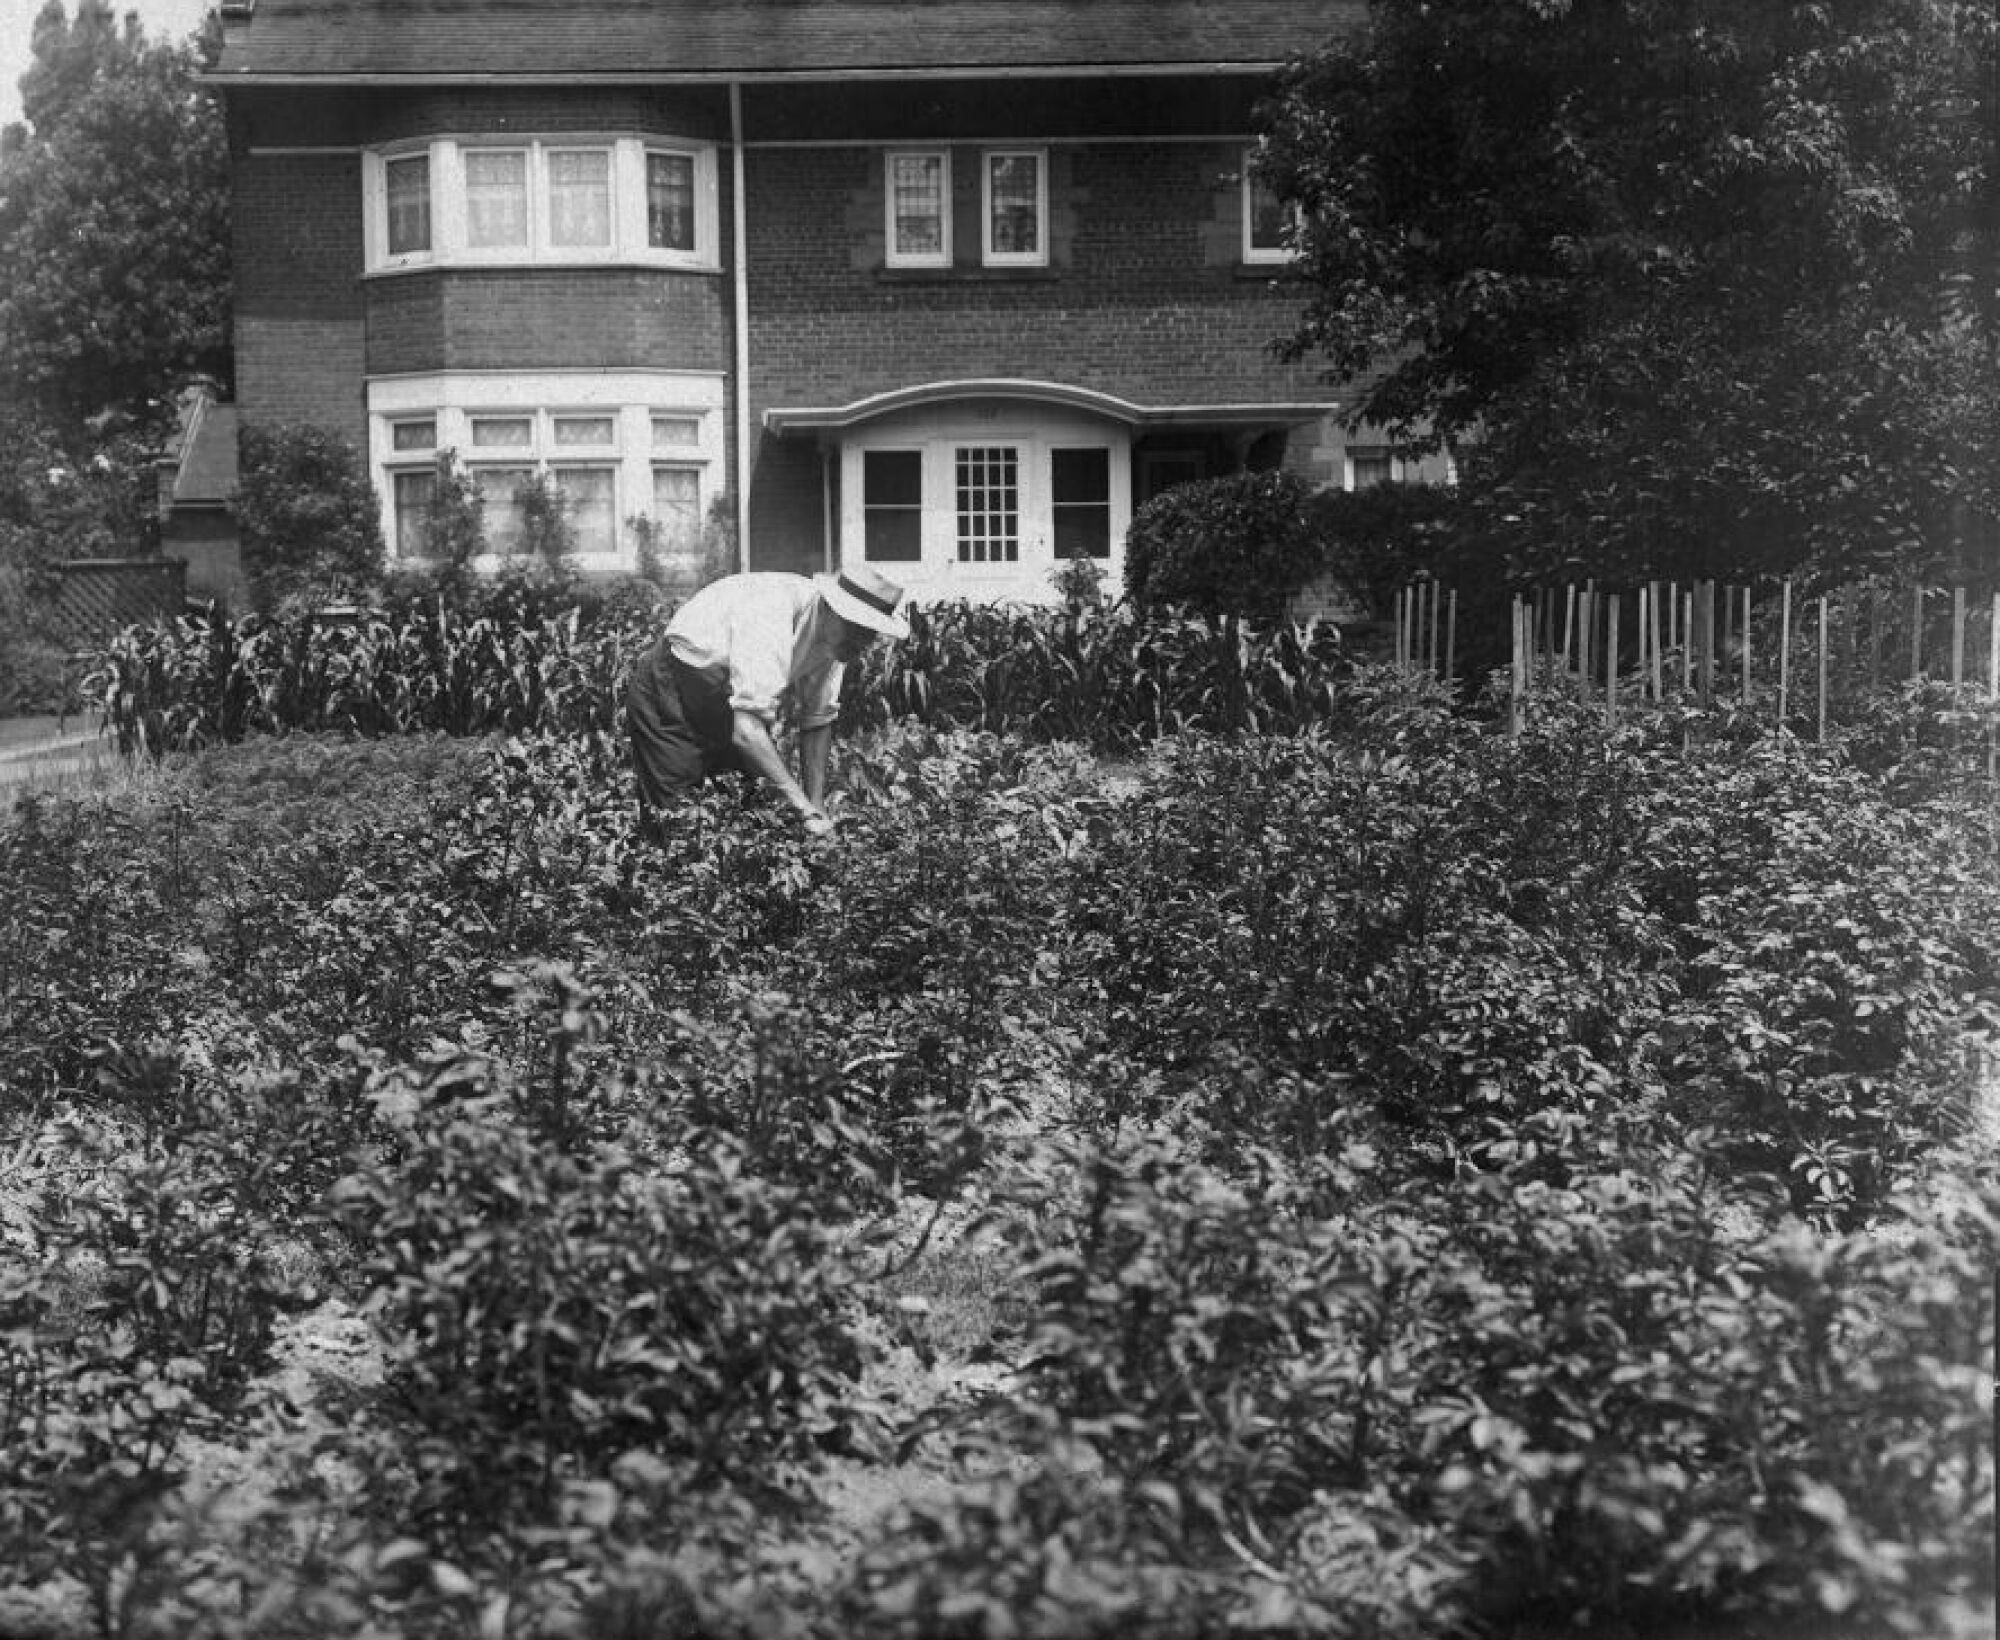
[746, 632]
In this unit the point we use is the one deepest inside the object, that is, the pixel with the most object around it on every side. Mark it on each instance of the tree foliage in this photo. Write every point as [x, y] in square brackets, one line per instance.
[310, 525]
[114, 220]
[1696, 279]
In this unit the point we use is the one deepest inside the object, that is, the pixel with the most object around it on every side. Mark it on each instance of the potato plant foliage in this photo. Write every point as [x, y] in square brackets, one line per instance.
[1430, 1181]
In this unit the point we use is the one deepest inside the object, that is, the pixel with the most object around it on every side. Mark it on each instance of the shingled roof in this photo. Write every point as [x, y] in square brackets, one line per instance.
[289, 41]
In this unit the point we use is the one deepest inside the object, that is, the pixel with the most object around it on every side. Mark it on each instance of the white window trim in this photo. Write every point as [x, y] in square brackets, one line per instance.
[629, 244]
[1256, 255]
[1037, 258]
[631, 398]
[889, 566]
[894, 258]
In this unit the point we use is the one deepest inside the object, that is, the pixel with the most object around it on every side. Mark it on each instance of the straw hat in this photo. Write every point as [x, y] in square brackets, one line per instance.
[859, 595]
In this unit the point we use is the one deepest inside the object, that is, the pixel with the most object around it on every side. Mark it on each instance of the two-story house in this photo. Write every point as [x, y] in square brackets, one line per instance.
[946, 286]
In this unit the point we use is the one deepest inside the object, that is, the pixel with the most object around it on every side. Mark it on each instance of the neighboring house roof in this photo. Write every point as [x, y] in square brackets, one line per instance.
[285, 41]
[205, 464]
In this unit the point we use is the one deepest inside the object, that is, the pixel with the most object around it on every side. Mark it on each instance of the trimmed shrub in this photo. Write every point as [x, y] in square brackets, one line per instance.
[1240, 545]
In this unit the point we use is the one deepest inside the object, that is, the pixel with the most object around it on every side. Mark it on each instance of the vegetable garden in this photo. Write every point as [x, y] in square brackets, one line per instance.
[1226, 1143]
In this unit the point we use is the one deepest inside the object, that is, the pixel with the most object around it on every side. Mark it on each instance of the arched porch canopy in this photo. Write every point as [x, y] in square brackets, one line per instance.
[836, 418]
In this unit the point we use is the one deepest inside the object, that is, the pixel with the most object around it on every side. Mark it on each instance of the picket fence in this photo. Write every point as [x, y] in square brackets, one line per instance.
[1772, 644]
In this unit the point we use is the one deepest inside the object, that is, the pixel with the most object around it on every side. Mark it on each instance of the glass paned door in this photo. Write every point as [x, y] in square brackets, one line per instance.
[987, 485]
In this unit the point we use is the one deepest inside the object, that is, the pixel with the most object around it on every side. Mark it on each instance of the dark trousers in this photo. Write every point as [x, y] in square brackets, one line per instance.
[683, 731]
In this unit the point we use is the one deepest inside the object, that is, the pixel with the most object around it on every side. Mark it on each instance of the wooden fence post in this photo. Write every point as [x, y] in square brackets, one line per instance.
[1784, 650]
[1653, 624]
[1822, 668]
[1451, 637]
[1611, 662]
[1704, 637]
[1957, 642]
[1993, 686]
[1744, 688]
[1516, 683]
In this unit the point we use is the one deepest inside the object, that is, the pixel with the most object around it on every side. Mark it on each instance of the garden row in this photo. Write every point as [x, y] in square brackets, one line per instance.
[514, 659]
[1444, 1178]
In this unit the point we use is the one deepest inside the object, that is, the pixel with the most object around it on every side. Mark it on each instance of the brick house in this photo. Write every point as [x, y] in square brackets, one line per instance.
[950, 286]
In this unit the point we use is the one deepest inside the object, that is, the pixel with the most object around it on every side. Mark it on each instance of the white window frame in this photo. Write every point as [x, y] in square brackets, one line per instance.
[630, 400]
[1253, 253]
[940, 258]
[703, 253]
[1037, 258]
[630, 240]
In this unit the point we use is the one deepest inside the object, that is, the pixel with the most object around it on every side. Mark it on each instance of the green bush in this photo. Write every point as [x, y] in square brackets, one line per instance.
[1375, 542]
[1241, 545]
[307, 517]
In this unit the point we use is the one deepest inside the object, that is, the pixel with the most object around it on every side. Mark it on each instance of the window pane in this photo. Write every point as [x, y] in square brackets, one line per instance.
[579, 197]
[916, 191]
[409, 188]
[593, 511]
[989, 504]
[670, 432]
[496, 199]
[1080, 490]
[892, 494]
[1267, 219]
[670, 202]
[413, 491]
[1371, 467]
[1081, 475]
[893, 478]
[1014, 196]
[499, 510]
[677, 502]
[502, 432]
[414, 435]
[584, 430]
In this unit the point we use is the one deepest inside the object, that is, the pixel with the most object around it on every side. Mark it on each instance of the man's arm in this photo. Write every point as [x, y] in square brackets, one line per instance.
[752, 738]
[814, 745]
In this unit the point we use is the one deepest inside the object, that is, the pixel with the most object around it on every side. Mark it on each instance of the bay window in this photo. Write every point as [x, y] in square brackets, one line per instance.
[599, 200]
[615, 445]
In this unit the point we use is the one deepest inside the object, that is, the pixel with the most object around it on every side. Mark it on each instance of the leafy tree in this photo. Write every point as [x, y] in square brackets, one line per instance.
[113, 220]
[310, 526]
[1691, 276]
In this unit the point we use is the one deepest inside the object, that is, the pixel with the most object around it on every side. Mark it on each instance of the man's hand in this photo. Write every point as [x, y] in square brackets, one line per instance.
[818, 823]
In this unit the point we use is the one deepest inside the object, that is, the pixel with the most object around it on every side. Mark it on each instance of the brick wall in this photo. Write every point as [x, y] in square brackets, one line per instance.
[1143, 298]
[299, 313]
[547, 319]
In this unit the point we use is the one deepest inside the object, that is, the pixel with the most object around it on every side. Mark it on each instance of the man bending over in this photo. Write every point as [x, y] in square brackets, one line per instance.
[741, 656]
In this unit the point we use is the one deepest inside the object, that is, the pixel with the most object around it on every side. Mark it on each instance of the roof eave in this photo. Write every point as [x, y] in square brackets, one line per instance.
[227, 78]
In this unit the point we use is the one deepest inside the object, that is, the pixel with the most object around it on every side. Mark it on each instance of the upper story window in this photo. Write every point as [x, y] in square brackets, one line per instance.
[1266, 218]
[918, 190]
[670, 202]
[1014, 207]
[407, 185]
[580, 200]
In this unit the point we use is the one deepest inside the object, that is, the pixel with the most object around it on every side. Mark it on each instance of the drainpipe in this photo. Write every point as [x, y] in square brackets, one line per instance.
[826, 531]
[740, 283]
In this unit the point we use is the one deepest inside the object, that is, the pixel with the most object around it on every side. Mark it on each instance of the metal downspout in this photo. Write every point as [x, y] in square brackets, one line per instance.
[740, 294]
